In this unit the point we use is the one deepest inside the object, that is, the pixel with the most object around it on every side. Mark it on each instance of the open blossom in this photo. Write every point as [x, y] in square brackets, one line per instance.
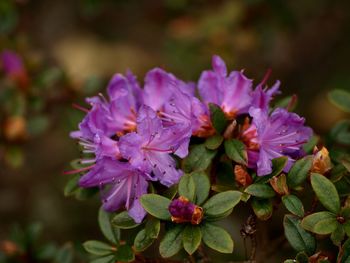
[281, 134]
[150, 147]
[121, 186]
[232, 92]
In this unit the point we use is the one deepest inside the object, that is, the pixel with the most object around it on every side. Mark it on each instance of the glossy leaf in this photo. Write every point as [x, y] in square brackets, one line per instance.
[104, 259]
[262, 208]
[171, 243]
[221, 203]
[260, 190]
[297, 237]
[299, 171]
[338, 235]
[123, 221]
[326, 192]
[198, 159]
[214, 142]
[202, 186]
[321, 223]
[98, 248]
[187, 187]
[278, 165]
[111, 233]
[217, 238]
[191, 238]
[217, 117]
[156, 205]
[236, 151]
[142, 241]
[72, 186]
[293, 205]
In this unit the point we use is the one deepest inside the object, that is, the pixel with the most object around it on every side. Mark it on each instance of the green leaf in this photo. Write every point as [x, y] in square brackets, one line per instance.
[340, 98]
[297, 237]
[217, 117]
[299, 171]
[217, 238]
[72, 185]
[156, 205]
[123, 221]
[344, 255]
[326, 192]
[236, 151]
[191, 238]
[142, 241]
[172, 241]
[214, 142]
[341, 132]
[198, 159]
[338, 235]
[221, 203]
[310, 145]
[98, 248]
[260, 190]
[202, 184]
[104, 220]
[152, 227]
[322, 223]
[293, 205]
[104, 259]
[187, 187]
[219, 216]
[171, 192]
[278, 165]
[64, 254]
[86, 193]
[347, 227]
[262, 208]
[124, 254]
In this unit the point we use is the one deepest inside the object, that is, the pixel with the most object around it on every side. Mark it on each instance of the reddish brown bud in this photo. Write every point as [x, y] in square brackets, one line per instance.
[321, 162]
[242, 177]
[279, 184]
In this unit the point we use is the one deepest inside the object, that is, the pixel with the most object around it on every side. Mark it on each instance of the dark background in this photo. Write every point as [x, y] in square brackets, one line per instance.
[305, 43]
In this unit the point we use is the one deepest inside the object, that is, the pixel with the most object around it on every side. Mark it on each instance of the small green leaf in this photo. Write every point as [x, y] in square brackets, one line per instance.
[341, 132]
[72, 185]
[124, 254]
[322, 223]
[98, 248]
[260, 190]
[202, 184]
[214, 142]
[262, 208]
[278, 165]
[152, 227]
[104, 259]
[171, 192]
[344, 254]
[297, 237]
[310, 145]
[221, 203]
[187, 187]
[299, 171]
[347, 227]
[236, 151]
[293, 205]
[338, 235]
[172, 241]
[217, 238]
[341, 98]
[326, 192]
[156, 205]
[198, 159]
[142, 241]
[123, 221]
[64, 254]
[191, 238]
[217, 117]
[104, 220]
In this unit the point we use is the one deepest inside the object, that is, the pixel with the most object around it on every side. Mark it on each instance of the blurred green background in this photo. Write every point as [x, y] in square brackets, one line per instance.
[71, 48]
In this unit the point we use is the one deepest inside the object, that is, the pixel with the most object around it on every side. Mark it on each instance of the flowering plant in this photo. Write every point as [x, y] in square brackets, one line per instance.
[163, 158]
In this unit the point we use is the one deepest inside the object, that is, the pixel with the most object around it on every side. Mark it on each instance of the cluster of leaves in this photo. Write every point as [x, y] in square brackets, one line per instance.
[26, 245]
[217, 179]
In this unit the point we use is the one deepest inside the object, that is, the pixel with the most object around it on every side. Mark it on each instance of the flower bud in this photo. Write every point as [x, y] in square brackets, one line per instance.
[279, 184]
[321, 162]
[182, 211]
[242, 177]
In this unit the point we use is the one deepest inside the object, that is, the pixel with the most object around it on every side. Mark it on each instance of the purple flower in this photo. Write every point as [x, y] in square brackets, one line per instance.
[268, 137]
[121, 186]
[149, 148]
[262, 96]
[182, 211]
[231, 92]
